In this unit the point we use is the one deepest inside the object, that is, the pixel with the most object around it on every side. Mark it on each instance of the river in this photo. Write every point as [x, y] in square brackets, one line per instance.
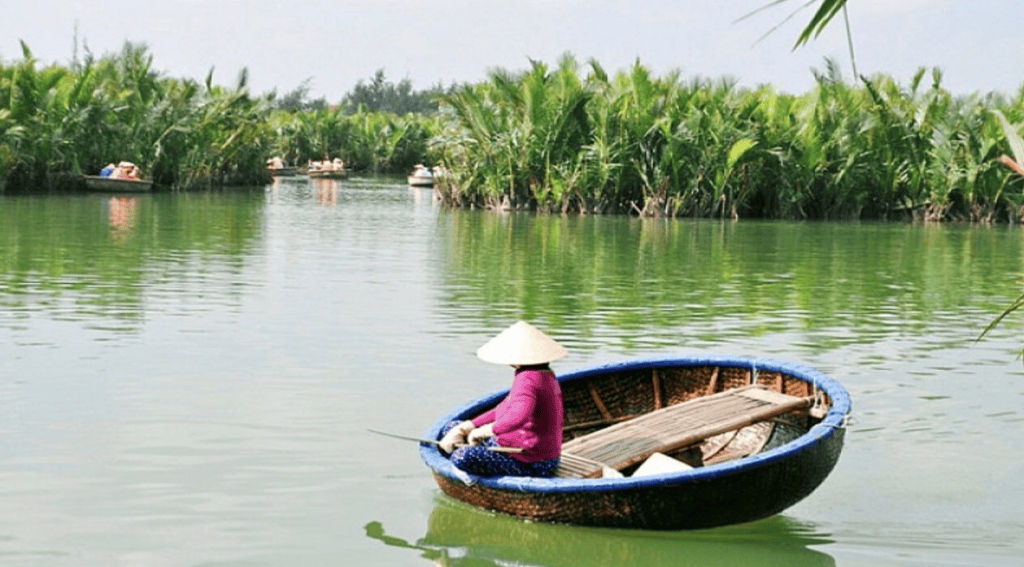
[188, 379]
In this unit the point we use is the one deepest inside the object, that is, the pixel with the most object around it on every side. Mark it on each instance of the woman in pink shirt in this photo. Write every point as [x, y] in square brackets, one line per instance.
[529, 418]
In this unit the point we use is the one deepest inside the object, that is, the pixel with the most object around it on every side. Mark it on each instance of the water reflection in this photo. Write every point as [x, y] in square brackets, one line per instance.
[228, 356]
[326, 191]
[423, 196]
[122, 214]
[663, 282]
[93, 258]
[459, 535]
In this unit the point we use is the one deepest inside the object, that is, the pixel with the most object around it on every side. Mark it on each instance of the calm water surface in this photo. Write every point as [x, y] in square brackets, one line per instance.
[188, 379]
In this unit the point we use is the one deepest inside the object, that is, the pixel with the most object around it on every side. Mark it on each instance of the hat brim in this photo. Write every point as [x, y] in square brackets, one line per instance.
[521, 344]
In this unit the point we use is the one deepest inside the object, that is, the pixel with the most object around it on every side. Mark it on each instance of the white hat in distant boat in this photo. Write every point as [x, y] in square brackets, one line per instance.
[521, 344]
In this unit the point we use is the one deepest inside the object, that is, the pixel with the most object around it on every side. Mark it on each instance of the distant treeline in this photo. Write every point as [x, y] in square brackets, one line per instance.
[379, 95]
[378, 127]
[571, 139]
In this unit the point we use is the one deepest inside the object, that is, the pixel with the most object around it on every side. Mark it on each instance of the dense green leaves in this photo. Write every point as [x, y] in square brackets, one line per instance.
[182, 133]
[563, 138]
[572, 139]
[57, 120]
[376, 142]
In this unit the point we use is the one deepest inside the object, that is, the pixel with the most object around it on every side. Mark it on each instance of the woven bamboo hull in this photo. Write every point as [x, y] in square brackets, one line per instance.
[741, 496]
[734, 491]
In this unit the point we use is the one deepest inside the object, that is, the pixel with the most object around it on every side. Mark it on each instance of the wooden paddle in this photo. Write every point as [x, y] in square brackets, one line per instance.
[438, 443]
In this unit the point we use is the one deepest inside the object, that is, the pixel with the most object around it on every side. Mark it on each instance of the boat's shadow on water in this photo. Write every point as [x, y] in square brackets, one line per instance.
[460, 535]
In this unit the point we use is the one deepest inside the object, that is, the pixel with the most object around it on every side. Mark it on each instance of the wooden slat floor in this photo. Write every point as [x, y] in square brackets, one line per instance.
[671, 428]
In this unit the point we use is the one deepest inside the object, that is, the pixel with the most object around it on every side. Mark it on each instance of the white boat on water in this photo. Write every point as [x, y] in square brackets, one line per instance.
[422, 176]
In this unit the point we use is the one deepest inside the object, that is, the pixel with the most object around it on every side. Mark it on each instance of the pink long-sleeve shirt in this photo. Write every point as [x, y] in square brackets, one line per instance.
[529, 417]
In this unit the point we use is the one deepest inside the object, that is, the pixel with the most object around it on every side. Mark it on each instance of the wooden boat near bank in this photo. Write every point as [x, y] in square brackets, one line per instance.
[117, 184]
[327, 169]
[327, 174]
[283, 171]
[744, 439]
[276, 167]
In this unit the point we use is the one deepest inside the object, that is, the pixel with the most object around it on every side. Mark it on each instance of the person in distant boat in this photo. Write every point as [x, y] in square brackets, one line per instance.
[106, 171]
[529, 418]
[125, 170]
[338, 164]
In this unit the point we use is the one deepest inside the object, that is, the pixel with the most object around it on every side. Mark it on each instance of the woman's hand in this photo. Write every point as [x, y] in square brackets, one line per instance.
[455, 436]
[481, 434]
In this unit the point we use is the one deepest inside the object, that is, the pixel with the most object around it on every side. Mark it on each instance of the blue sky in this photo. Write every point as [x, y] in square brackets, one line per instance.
[977, 43]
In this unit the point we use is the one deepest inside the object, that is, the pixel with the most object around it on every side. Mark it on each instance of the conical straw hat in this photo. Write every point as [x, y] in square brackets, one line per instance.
[521, 344]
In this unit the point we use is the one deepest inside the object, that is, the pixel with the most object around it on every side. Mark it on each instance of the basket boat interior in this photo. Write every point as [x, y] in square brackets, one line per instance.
[604, 402]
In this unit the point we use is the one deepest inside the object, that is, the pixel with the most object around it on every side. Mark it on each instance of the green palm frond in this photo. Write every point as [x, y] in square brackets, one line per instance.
[1013, 138]
[821, 19]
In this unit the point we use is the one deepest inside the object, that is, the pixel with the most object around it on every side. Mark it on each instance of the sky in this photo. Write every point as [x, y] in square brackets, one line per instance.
[978, 44]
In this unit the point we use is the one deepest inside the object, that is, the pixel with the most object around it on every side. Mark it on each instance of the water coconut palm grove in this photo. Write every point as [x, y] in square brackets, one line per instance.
[246, 364]
[564, 137]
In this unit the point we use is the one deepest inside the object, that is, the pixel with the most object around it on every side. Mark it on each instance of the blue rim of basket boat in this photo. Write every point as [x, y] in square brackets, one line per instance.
[823, 430]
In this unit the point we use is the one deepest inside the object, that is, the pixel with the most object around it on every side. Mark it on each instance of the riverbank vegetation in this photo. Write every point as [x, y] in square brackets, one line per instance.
[369, 142]
[59, 122]
[577, 139]
[568, 138]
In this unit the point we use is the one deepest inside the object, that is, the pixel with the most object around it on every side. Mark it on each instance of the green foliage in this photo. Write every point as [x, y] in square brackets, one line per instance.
[574, 139]
[381, 95]
[298, 99]
[117, 108]
[563, 138]
[378, 142]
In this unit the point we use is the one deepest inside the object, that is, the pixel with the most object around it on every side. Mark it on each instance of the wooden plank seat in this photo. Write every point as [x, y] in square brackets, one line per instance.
[674, 427]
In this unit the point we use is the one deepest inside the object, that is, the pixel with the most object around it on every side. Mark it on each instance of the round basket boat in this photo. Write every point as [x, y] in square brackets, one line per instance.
[742, 460]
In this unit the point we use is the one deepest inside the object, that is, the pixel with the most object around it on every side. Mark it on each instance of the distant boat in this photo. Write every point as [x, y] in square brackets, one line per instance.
[277, 167]
[421, 177]
[421, 180]
[117, 184]
[327, 169]
[668, 444]
[283, 171]
[328, 173]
